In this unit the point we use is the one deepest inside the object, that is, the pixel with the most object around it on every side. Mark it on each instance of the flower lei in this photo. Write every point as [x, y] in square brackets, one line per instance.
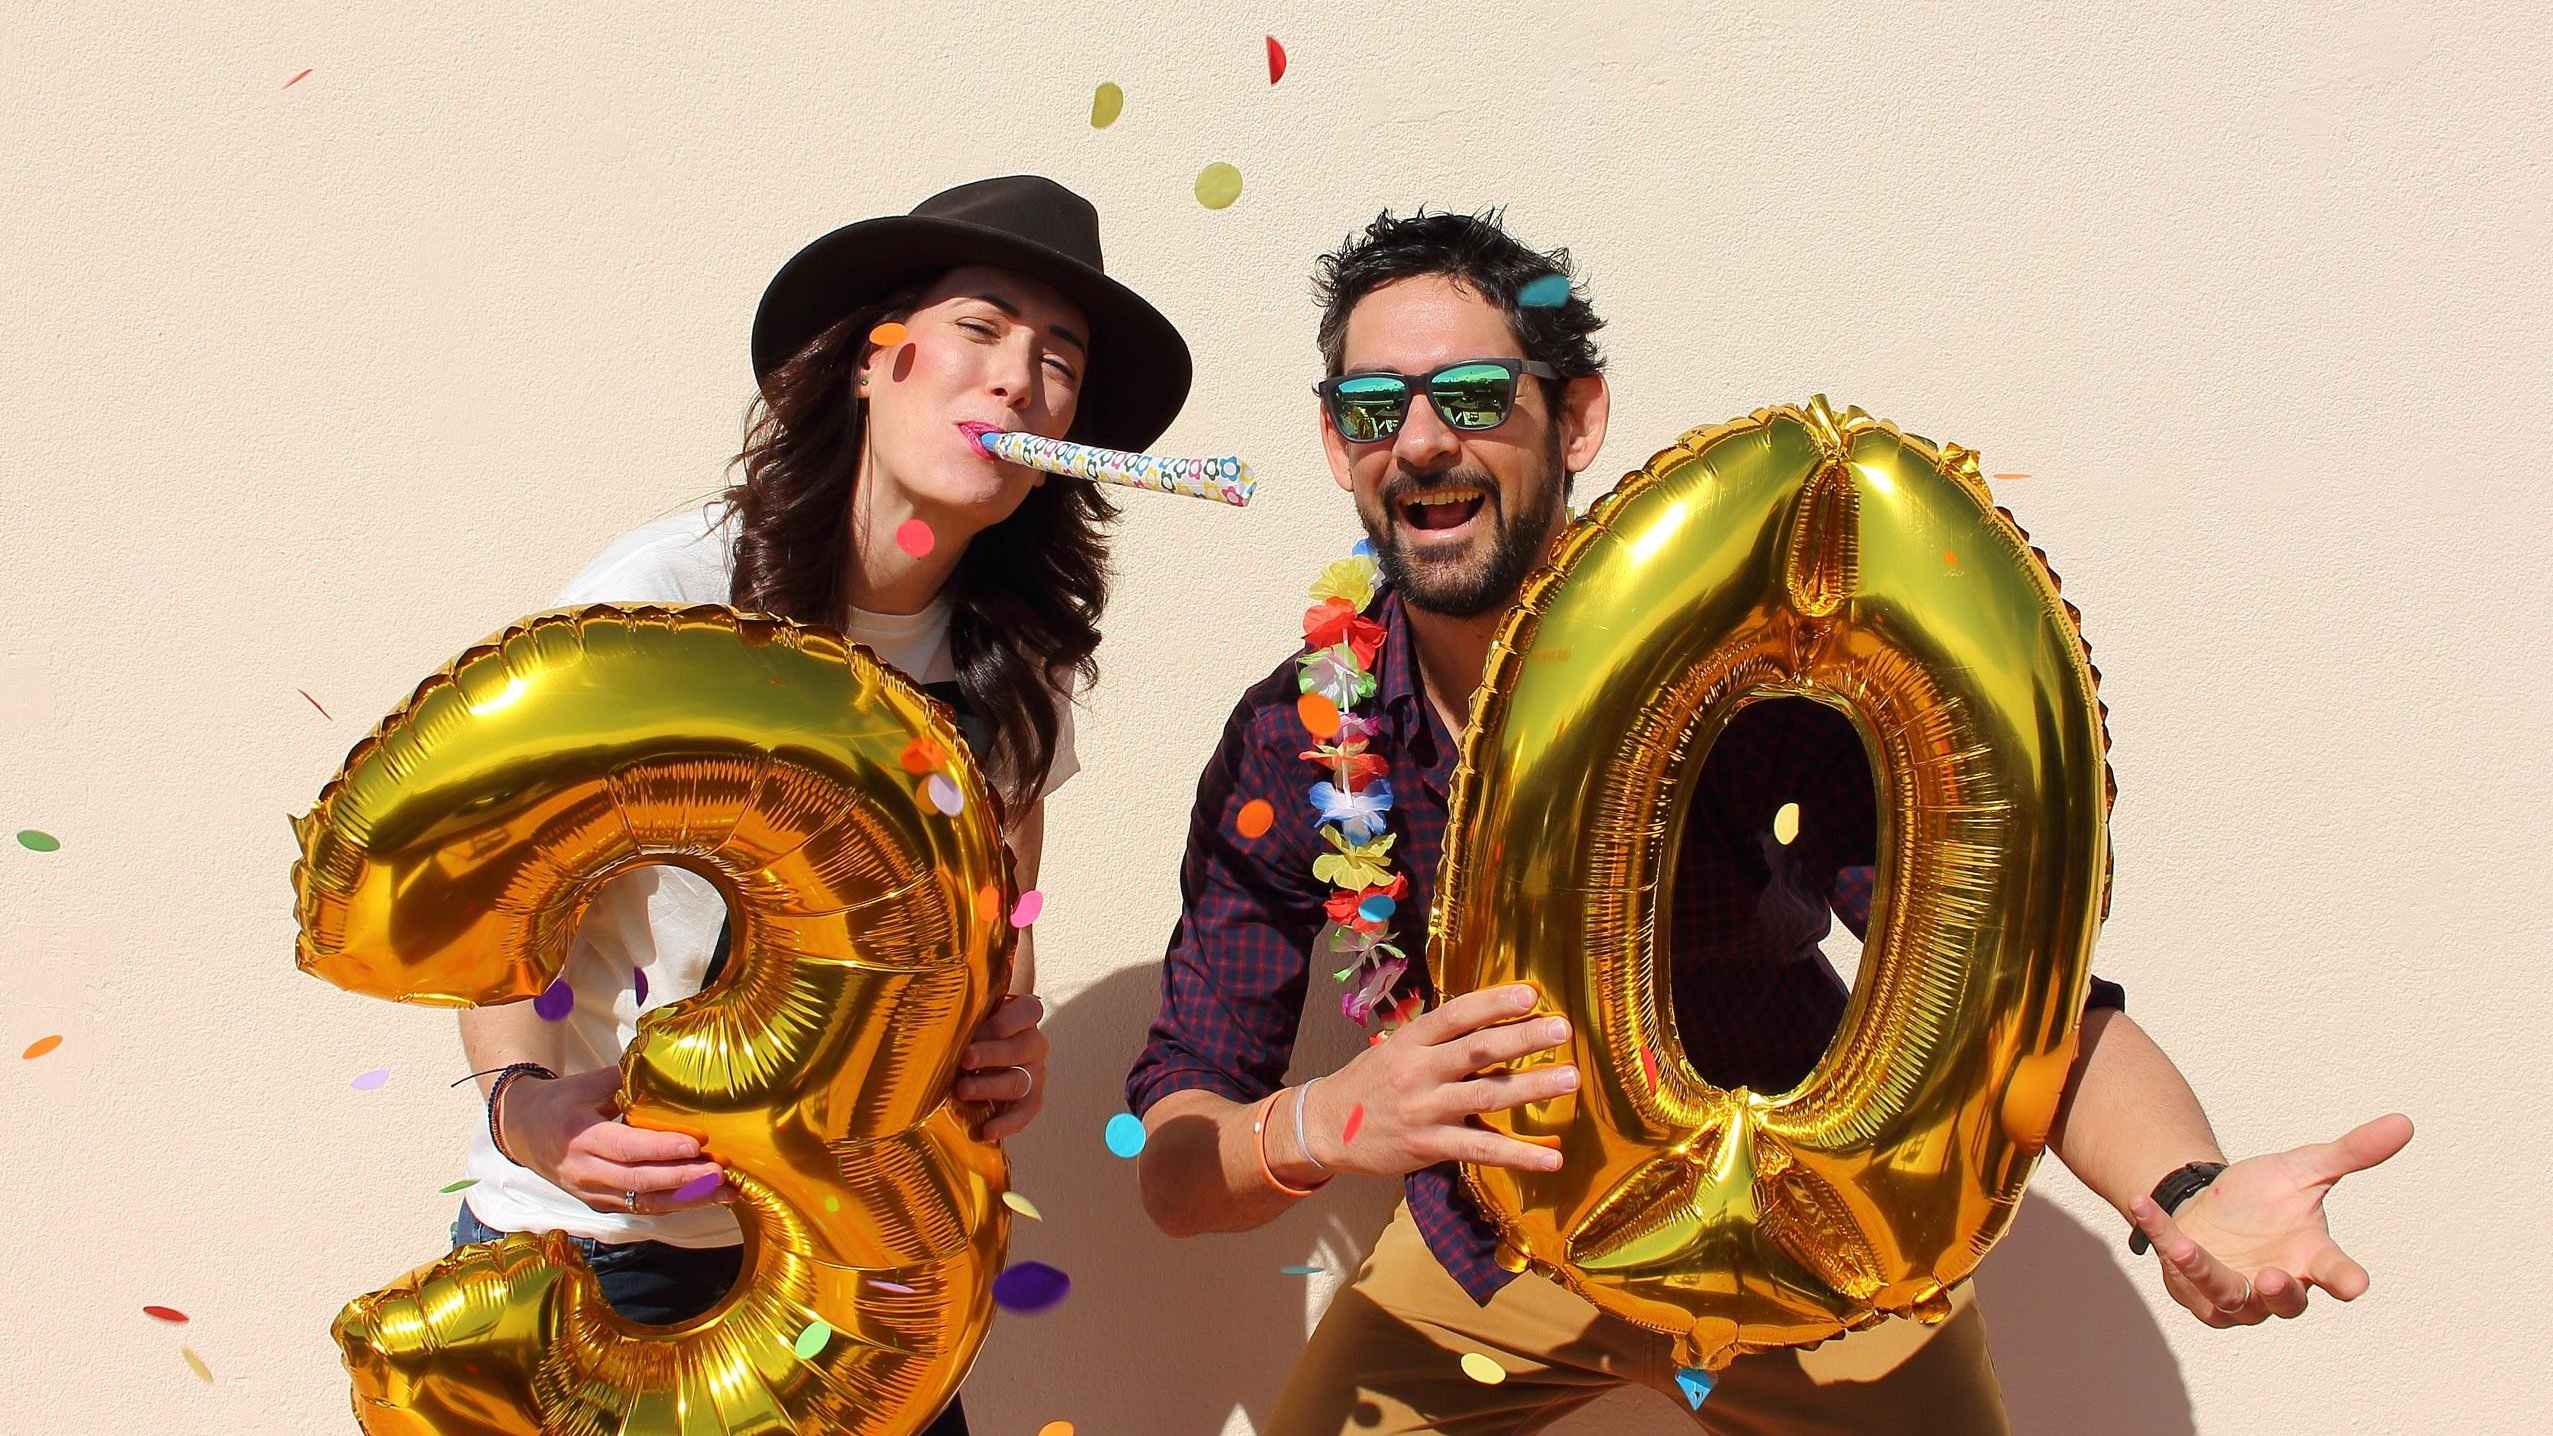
[1353, 798]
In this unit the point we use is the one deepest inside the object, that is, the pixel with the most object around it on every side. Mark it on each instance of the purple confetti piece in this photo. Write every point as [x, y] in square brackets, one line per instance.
[555, 1002]
[638, 980]
[1030, 1287]
[698, 1187]
[899, 1288]
[371, 1081]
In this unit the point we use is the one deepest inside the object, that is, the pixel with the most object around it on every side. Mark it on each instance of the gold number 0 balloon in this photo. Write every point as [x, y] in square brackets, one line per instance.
[1790, 554]
[449, 862]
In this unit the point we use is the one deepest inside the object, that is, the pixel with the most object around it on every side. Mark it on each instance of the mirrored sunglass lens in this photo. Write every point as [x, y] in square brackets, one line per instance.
[1473, 396]
[1368, 408]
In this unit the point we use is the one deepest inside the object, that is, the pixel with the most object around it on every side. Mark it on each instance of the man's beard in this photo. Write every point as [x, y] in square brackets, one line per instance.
[1468, 586]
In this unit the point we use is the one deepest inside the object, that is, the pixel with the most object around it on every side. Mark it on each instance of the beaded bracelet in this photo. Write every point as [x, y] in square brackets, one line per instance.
[496, 1090]
[1259, 1126]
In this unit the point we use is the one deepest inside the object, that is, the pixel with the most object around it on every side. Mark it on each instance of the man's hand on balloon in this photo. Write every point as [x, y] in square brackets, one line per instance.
[2251, 1243]
[1005, 1064]
[1420, 1088]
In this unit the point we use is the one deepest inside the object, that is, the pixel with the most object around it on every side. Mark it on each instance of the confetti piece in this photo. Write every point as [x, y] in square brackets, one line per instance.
[638, 984]
[1377, 908]
[555, 1002]
[1549, 1142]
[699, 1187]
[812, 1340]
[2012, 476]
[1649, 1064]
[899, 1288]
[462, 1185]
[313, 702]
[1695, 1383]
[165, 1313]
[288, 84]
[1106, 104]
[41, 1046]
[1030, 1287]
[1056, 1428]
[1302, 1270]
[833, 1204]
[1355, 1123]
[1125, 1135]
[944, 795]
[1318, 713]
[196, 1364]
[923, 755]
[371, 1081]
[1950, 558]
[1254, 819]
[1786, 823]
[1031, 903]
[915, 537]
[1482, 1369]
[1549, 292]
[1023, 1206]
[1218, 185]
[1276, 60]
[889, 334]
[35, 842]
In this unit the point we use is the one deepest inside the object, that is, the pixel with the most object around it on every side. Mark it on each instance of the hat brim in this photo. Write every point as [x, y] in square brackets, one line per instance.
[1139, 369]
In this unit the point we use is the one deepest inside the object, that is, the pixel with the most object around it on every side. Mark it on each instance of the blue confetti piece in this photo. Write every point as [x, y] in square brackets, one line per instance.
[1126, 1135]
[1302, 1270]
[1549, 292]
[1364, 549]
[1377, 907]
[1696, 1384]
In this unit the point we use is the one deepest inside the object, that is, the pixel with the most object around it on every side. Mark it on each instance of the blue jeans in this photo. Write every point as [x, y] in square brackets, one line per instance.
[659, 1284]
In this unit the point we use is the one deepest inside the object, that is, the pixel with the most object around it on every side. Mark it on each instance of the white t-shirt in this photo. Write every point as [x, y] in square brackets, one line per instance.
[664, 921]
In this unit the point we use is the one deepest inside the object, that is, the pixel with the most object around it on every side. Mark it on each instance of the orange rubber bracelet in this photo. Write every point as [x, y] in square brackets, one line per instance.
[1259, 1127]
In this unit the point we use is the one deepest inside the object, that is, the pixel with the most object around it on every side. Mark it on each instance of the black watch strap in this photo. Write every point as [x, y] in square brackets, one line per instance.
[2183, 1184]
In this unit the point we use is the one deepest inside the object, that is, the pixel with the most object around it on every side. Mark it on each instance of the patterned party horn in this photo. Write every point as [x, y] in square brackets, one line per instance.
[1225, 480]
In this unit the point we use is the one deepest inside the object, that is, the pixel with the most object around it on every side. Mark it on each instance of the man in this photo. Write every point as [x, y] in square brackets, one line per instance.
[1461, 485]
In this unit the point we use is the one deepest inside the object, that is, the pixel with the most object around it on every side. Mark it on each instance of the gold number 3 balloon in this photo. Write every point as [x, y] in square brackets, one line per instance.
[1797, 554]
[859, 850]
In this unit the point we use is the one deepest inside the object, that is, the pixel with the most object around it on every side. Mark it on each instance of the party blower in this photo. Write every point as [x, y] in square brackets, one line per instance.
[1225, 480]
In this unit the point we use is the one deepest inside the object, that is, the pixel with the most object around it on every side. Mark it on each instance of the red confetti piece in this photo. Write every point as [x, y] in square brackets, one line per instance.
[1355, 1123]
[1255, 818]
[288, 84]
[1276, 60]
[41, 1046]
[915, 537]
[313, 702]
[1649, 1064]
[165, 1313]
[1950, 558]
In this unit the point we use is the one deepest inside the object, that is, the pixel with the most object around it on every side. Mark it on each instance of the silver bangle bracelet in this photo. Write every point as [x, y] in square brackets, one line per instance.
[1302, 1095]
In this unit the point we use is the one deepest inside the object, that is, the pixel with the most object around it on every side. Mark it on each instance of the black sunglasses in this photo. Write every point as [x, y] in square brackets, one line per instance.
[1471, 396]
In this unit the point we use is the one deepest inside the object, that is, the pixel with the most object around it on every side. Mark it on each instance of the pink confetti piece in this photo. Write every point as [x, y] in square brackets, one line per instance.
[915, 537]
[288, 84]
[304, 692]
[698, 1187]
[555, 1002]
[1276, 60]
[371, 1081]
[1031, 903]
[1355, 1123]
[899, 1288]
[168, 1314]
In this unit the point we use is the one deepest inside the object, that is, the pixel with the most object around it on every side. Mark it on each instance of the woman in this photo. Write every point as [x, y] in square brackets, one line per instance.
[865, 505]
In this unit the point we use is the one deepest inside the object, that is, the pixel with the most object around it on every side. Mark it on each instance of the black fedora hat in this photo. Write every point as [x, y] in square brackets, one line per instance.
[1139, 367]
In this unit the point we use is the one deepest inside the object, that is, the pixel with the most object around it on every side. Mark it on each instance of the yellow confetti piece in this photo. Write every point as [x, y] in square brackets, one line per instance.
[1023, 1206]
[1106, 104]
[1786, 824]
[1483, 1370]
[1218, 185]
[196, 1364]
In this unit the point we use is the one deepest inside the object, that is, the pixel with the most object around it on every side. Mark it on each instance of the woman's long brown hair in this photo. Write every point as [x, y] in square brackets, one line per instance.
[1025, 597]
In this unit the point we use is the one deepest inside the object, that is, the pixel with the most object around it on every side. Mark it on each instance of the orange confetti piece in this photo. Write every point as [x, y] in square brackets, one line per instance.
[41, 1046]
[1276, 60]
[923, 755]
[889, 334]
[2012, 476]
[1548, 1144]
[1255, 818]
[1056, 1428]
[1950, 558]
[1319, 714]
[196, 1364]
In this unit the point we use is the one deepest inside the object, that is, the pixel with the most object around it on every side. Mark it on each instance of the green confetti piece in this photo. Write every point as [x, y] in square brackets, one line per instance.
[1218, 185]
[1302, 1270]
[812, 1340]
[464, 1183]
[35, 842]
[1106, 104]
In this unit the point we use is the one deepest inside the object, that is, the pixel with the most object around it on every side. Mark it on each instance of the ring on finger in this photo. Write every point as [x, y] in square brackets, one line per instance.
[631, 1198]
[1032, 1081]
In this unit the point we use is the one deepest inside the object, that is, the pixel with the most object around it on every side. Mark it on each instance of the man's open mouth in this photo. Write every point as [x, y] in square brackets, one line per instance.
[1446, 508]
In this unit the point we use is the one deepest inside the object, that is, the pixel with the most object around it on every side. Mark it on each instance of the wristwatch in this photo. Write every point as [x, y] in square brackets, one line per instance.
[2183, 1184]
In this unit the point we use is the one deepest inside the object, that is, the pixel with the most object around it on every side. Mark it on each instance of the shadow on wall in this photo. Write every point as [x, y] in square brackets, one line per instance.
[1170, 1338]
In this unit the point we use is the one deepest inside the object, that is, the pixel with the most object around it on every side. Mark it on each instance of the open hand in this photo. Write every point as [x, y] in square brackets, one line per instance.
[1421, 1087]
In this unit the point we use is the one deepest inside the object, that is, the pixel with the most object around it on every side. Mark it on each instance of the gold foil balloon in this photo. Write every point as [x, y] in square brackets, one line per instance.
[859, 850]
[1795, 554]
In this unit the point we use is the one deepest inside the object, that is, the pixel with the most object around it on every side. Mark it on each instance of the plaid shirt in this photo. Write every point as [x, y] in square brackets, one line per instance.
[1755, 1002]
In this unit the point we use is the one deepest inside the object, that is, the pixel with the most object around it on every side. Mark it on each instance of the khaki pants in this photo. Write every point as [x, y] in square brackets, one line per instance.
[1387, 1359]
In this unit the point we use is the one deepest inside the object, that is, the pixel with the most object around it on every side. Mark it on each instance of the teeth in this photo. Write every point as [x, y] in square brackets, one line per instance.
[1435, 500]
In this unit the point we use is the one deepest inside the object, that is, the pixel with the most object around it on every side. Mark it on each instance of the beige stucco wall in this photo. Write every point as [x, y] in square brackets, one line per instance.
[309, 387]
